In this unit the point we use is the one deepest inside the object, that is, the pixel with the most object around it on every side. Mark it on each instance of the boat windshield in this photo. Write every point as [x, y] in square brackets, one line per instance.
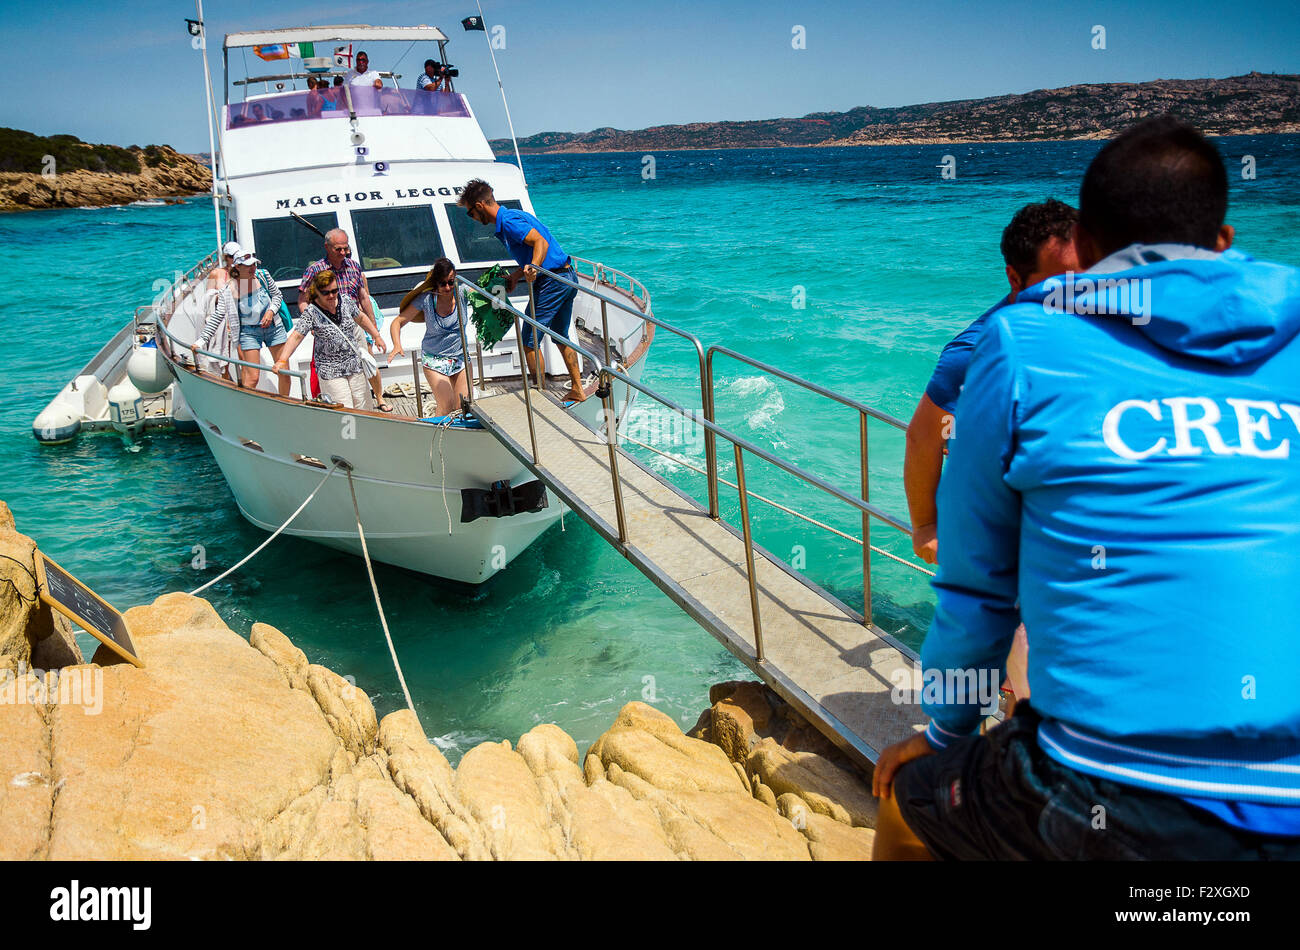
[332, 103]
[285, 247]
[477, 243]
[388, 238]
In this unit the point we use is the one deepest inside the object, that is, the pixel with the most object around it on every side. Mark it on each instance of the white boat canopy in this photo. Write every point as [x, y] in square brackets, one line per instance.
[356, 33]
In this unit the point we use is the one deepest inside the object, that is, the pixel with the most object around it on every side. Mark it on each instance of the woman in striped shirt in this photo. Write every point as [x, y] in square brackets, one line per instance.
[254, 304]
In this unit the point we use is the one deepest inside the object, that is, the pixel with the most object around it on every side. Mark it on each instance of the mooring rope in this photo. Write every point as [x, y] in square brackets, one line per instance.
[274, 534]
[442, 434]
[370, 570]
[776, 504]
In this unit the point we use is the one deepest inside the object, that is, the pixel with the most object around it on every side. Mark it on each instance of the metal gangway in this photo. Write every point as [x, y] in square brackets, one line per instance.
[829, 661]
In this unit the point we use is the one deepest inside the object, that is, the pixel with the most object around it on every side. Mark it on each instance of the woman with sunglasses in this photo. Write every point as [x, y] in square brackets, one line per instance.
[332, 319]
[433, 303]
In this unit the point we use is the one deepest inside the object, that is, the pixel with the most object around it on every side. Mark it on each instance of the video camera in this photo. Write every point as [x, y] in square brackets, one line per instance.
[445, 71]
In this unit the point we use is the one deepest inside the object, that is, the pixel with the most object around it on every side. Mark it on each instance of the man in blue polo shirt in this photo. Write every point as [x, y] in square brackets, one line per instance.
[1124, 478]
[532, 246]
[1037, 244]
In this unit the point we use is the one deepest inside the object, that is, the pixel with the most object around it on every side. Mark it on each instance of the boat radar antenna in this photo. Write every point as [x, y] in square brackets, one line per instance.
[509, 121]
[199, 32]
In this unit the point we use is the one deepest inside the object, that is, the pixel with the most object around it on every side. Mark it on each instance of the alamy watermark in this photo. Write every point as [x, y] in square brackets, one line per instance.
[947, 687]
[80, 686]
[1116, 296]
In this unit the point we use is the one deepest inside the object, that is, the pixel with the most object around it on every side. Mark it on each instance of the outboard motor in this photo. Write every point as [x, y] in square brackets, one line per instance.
[126, 408]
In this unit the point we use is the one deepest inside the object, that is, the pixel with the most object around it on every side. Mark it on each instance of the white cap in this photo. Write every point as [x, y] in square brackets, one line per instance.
[231, 249]
[246, 259]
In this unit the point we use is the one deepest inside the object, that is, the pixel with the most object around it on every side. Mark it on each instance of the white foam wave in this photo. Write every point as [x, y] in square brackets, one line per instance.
[762, 394]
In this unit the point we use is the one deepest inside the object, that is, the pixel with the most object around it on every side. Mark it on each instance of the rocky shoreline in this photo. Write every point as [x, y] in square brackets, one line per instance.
[1251, 104]
[172, 176]
[229, 748]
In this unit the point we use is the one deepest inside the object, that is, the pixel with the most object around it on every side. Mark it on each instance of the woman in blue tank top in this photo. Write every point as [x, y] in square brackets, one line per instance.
[433, 303]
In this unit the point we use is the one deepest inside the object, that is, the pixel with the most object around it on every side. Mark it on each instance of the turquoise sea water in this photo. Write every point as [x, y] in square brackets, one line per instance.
[887, 259]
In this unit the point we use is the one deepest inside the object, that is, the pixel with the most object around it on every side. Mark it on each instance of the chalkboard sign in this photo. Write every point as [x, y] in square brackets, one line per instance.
[85, 608]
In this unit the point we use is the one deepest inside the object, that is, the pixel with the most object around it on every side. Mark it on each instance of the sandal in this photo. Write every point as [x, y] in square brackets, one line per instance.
[385, 407]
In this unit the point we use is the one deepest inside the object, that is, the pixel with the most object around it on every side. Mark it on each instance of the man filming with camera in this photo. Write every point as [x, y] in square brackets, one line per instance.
[431, 79]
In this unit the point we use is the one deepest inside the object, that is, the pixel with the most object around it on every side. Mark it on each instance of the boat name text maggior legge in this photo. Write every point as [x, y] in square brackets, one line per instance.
[349, 196]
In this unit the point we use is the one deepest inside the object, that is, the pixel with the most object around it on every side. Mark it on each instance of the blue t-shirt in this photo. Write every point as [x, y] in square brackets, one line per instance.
[950, 371]
[513, 226]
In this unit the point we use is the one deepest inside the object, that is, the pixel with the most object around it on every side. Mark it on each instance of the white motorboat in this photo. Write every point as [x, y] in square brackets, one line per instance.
[438, 495]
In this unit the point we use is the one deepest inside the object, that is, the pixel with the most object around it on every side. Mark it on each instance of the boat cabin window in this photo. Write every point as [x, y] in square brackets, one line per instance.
[477, 243]
[285, 247]
[396, 237]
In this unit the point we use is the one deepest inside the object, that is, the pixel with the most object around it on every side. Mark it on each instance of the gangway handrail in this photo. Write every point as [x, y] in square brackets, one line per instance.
[805, 383]
[710, 445]
[706, 395]
[739, 443]
[706, 423]
[864, 412]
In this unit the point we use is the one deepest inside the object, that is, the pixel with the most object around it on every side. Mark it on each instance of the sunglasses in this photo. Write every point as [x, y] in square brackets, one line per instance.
[451, 282]
[330, 293]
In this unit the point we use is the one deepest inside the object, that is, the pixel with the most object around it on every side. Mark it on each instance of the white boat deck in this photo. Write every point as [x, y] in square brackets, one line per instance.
[818, 654]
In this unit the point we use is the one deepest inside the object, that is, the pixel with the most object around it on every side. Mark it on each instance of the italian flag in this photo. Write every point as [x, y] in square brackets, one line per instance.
[285, 51]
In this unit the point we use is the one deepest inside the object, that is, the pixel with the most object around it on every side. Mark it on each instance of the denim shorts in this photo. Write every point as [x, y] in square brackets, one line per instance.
[446, 365]
[1000, 797]
[554, 305]
[253, 335]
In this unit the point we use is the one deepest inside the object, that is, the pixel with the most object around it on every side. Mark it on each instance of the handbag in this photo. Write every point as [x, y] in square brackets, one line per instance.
[265, 280]
[369, 366]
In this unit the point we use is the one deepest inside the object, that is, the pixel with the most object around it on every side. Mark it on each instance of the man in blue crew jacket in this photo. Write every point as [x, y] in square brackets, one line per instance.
[1038, 243]
[532, 246]
[1126, 465]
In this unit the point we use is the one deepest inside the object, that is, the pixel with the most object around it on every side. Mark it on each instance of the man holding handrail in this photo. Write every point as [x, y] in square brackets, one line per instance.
[532, 246]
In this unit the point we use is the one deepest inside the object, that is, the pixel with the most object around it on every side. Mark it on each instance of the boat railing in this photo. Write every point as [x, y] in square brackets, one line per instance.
[608, 372]
[300, 105]
[166, 307]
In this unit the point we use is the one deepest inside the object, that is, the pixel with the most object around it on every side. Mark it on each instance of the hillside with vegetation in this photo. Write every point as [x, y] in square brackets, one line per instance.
[1239, 105]
[61, 171]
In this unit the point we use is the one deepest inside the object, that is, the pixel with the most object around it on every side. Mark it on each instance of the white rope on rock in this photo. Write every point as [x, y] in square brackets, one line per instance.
[274, 534]
[370, 570]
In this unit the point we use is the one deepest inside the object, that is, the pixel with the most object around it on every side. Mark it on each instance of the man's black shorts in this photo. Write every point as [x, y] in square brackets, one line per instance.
[999, 797]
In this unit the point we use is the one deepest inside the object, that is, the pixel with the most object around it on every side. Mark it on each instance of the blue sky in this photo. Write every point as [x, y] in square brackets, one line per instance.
[125, 72]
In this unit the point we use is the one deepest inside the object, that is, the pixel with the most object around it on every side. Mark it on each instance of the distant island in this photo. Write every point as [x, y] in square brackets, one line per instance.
[1240, 105]
[61, 171]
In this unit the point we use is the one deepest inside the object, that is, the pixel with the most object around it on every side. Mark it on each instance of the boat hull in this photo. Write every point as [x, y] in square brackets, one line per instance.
[408, 476]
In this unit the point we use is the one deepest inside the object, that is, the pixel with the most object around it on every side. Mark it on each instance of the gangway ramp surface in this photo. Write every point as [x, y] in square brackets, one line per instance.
[818, 655]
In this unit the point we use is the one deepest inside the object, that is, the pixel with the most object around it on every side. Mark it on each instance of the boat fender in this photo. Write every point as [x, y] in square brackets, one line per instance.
[501, 500]
[55, 424]
[182, 415]
[147, 370]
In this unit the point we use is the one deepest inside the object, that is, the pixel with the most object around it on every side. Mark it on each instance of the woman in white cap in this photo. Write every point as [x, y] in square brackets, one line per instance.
[219, 276]
[257, 305]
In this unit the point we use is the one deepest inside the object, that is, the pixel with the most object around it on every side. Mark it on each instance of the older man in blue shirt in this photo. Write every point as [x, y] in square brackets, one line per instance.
[532, 246]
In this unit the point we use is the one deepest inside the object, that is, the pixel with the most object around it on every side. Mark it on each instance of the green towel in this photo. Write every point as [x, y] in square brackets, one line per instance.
[491, 321]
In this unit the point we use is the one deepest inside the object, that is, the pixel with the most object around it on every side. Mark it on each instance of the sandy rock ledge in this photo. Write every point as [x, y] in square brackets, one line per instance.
[226, 748]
